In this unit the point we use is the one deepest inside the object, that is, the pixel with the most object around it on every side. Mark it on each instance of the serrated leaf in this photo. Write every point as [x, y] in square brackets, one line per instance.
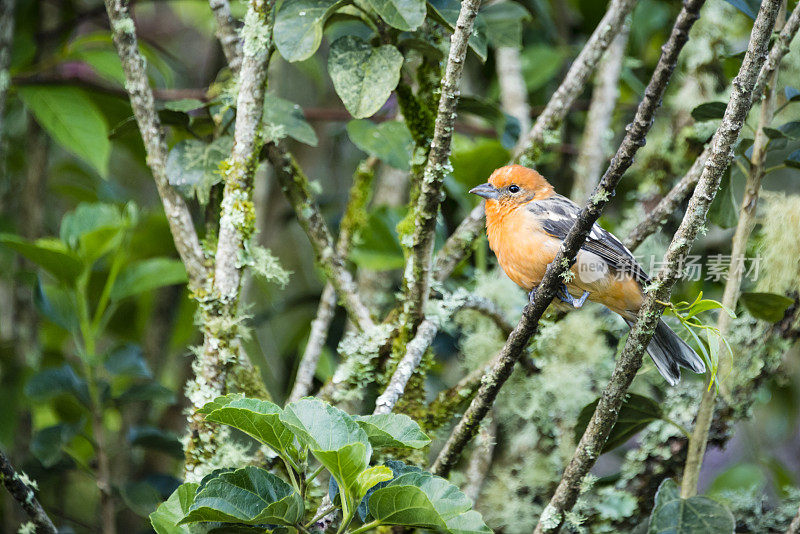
[393, 430]
[72, 119]
[49, 254]
[334, 439]
[389, 141]
[406, 15]
[363, 76]
[286, 114]
[193, 166]
[636, 413]
[146, 275]
[298, 27]
[250, 495]
[165, 519]
[50, 383]
[709, 111]
[769, 307]
[257, 418]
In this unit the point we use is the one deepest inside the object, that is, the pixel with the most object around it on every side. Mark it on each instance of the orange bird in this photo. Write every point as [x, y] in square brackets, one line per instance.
[526, 222]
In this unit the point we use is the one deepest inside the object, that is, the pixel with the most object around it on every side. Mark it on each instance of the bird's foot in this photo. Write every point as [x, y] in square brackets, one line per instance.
[531, 294]
[565, 296]
[577, 303]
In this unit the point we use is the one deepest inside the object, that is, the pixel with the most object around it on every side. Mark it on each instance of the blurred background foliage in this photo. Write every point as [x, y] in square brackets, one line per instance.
[75, 174]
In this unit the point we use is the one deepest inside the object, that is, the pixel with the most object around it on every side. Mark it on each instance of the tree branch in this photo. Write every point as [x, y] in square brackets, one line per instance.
[226, 33]
[658, 215]
[295, 186]
[630, 360]
[6, 40]
[19, 488]
[513, 93]
[597, 135]
[794, 527]
[575, 80]
[416, 281]
[141, 98]
[513, 349]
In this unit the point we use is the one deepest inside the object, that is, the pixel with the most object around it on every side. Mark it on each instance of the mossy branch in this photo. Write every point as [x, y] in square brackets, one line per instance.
[518, 340]
[144, 110]
[20, 489]
[658, 215]
[630, 360]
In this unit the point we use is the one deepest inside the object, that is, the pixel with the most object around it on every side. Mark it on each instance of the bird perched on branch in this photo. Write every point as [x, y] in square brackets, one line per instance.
[526, 222]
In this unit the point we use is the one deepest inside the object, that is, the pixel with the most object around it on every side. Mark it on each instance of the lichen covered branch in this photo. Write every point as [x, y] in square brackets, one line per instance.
[226, 33]
[141, 98]
[416, 279]
[578, 75]
[6, 39]
[630, 359]
[515, 345]
[20, 489]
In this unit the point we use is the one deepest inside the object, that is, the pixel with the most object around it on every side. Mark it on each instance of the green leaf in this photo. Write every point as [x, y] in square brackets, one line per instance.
[147, 392]
[748, 7]
[57, 304]
[406, 15]
[379, 248]
[635, 414]
[504, 23]
[769, 307]
[166, 517]
[739, 477]
[157, 439]
[193, 166]
[389, 141]
[368, 478]
[298, 27]
[773, 133]
[49, 254]
[446, 12]
[48, 443]
[146, 275]
[793, 160]
[50, 383]
[540, 64]
[128, 361]
[250, 495]
[393, 430]
[72, 119]
[695, 515]
[184, 105]
[792, 94]
[724, 210]
[283, 113]
[334, 439]
[257, 418]
[363, 76]
[420, 499]
[709, 111]
[92, 230]
[791, 129]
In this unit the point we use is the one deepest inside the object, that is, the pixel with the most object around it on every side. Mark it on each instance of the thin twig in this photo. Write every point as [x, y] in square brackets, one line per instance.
[17, 486]
[744, 227]
[546, 290]
[630, 359]
[658, 215]
[295, 186]
[597, 134]
[141, 98]
[481, 460]
[575, 80]
[416, 281]
[226, 33]
[349, 227]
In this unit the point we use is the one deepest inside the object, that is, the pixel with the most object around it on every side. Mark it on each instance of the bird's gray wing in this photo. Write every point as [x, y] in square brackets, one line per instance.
[557, 214]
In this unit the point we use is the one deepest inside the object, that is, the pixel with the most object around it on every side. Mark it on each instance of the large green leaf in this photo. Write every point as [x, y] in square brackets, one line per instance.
[406, 15]
[335, 439]
[289, 116]
[393, 430]
[48, 443]
[420, 499]
[709, 111]
[724, 210]
[363, 75]
[58, 304]
[446, 12]
[156, 439]
[52, 382]
[388, 141]
[166, 517]
[298, 27]
[49, 254]
[769, 307]
[695, 515]
[636, 413]
[260, 419]
[72, 118]
[193, 166]
[92, 230]
[250, 495]
[146, 275]
[504, 23]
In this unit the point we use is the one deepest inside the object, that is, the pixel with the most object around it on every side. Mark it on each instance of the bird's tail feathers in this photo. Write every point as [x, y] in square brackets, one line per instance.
[669, 352]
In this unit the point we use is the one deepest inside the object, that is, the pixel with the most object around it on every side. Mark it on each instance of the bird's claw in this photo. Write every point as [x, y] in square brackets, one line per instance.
[531, 294]
[565, 296]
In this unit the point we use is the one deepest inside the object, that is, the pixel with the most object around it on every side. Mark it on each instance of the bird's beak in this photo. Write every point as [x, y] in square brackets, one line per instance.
[486, 190]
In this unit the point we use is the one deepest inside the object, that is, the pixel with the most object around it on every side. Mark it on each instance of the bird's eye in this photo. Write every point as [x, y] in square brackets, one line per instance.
[513, 188]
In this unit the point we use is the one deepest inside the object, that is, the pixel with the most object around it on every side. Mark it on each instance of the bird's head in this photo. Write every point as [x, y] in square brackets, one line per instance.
[512, 186]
